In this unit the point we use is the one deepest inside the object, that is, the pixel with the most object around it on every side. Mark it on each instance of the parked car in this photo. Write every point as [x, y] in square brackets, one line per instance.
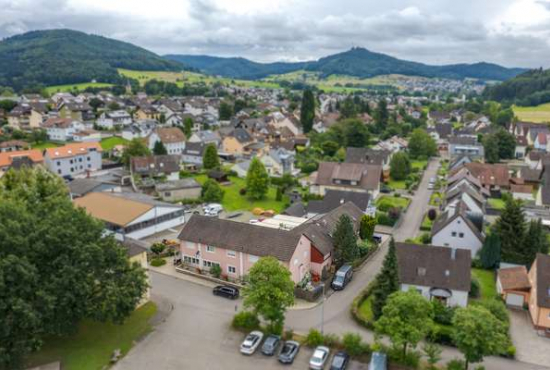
[251, 342]
[226, 291]
[339, 361]
[432, 180]
[378, 361]
[212, 209]
[319, 357]
[342, 277]
[288, 352]
[377, 238]
[270, 344]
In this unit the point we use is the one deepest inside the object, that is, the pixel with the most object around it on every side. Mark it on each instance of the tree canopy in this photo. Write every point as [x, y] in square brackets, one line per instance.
[211, 191]
[307, 110]
[400, 166]
[421, 144]
[210, 158]
[257, 180]
[135, 148]
[387, 281]
[345, 241]
[59, 267]
[159, 148]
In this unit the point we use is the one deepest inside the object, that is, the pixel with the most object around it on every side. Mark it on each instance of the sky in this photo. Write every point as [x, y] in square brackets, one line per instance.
[513, 33]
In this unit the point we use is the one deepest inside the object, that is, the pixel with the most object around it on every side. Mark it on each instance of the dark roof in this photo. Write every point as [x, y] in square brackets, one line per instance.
[240, 237]
[134, 247]
[448, 216]
[432, 266]
[367, 176]
[242, 135]
[444, 130]
[530, 175]
[367, 155]
[459, 161]
[489, 174]
[195, 149]
[80, 187]
[463, 140]
[297, 210]
[545, 186]
[155, 165]
[543, 280]
[335, 198]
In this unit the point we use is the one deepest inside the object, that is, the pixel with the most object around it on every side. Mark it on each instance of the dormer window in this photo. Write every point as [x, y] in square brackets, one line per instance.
[421, 271]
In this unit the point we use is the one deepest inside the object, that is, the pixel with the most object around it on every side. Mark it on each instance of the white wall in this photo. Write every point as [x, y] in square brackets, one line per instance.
[445, 238]
[458, 297]
[143, 233]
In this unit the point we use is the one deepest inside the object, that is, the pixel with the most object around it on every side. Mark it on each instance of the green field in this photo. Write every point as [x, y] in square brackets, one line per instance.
[78, 87]
[92, 346]
[110, 142]
[540, 113]
[385, 202]
[487, 284]
[45, 145]
[497, 203]
[365, 310]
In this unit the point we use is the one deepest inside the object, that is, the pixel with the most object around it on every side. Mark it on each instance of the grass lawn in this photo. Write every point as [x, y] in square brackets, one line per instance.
[365, 310]
[419, 164]
[497, 203]
[540, 113]
[110, 142]
[395, 184]
[435, 199]
[45, 145]
[77, 87]
[385, 202]
[426, 223]
[92, 346]
[487, 284]
[233, 201]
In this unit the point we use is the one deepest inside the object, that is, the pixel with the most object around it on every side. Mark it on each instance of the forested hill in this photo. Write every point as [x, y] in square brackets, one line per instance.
[529, 88]
[62, 56]
[357, 62]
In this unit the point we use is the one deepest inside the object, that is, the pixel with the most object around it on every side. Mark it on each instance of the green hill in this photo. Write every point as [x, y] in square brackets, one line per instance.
[57, 57]
[528, 89]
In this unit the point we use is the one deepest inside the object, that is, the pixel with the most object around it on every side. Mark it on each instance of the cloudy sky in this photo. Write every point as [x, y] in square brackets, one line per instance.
[508, 32]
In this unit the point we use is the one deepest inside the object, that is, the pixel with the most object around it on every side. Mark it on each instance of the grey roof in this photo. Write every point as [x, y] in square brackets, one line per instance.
[134, 247]
[432, 266]
[189, 183]
[367, 176]
[194, 149]
[297, 210]
[459, 161]
[335, 198]
[545, 186]
[444, 130]
[367, 155]
[242, 135]
[463, 140]
[543, 280]
[155, 165]
[447, 217]
[144, 198]
[82, 187]
[530, 175]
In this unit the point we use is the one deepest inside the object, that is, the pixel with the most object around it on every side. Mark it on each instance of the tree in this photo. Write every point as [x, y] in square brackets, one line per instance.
[381, 115]
[270, 290]
[188, 127]
[535, 241]
[159, 148]
[307, 110]
[387, 281]
[366, 227]
[432, 214]
[510, 227]
[330, 147]
[406, 319]
[355, 133]
[421, 144]
[239, 105]
[135, 148]
[158, 248]
[400, 166]
[59, 268]
[477, 333]
[225, 112]
[433, 353]
[490, 252]
[344, 241]
[257, 180]
[490, 147]
[113, 106]
[210, 158]
[505, 117]
[211, 191]
[348, 108]
[499, 145]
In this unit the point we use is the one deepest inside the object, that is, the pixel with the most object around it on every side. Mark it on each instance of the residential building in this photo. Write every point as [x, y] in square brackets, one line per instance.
[13, 146]
[81, 187]
[236, 142]
[17, 159]
[74, 159]
[491, 176]
[334, 199]
[172, 138]
[454, 229]
[279, 162]
[62, 129]
[171, 191]
[465, 145]
[77, 111]
[157, 166]
[109, 120]
[437, 273]
[206, 137]
[539, 300]
[513, 286]
[138, 130]
[131, 215]
[193, 153]
[348, 177]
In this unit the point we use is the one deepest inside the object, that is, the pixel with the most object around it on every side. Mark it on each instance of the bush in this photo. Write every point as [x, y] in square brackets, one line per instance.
[274, 328]
[384, 219]
[474, 289]
[288, 334]
[314, 338]
[331, 340]
[245, 320]
[411, 359]
[442, 314]
[510, 352]
[426, 238]
[156, 262]
[242, 191]
[216, 271]
[394, 213]
[498, 309]
[441, 335]
[456, 365]
[354, 345]
[184, 174]
[432, 214]
[158, 248]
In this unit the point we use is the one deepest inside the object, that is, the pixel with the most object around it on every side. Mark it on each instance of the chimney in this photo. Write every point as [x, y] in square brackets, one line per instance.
[453, 254]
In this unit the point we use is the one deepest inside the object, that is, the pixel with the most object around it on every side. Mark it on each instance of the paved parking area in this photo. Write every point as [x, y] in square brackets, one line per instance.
[530, 347]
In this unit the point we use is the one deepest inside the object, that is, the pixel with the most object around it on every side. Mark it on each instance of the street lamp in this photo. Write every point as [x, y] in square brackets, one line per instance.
[323, 309]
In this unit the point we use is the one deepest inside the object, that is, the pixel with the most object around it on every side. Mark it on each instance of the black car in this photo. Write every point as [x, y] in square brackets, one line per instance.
[270, 345]
[288, 352]
[339, 361]
[226, 291]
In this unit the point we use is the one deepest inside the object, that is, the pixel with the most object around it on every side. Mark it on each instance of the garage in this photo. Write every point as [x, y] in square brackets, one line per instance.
[514, 300]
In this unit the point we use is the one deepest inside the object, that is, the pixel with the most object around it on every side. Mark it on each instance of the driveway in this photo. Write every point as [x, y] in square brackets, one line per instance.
[530, 347]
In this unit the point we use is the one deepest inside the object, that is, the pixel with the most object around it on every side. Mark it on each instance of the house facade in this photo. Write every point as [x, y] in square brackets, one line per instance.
[453, 229]
[348, 177]
[539, 301]
[73, 159]
[171, 137]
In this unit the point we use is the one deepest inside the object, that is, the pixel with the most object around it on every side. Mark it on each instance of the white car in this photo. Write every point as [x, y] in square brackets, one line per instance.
[251, 342]
[212, 209]
[319, 358]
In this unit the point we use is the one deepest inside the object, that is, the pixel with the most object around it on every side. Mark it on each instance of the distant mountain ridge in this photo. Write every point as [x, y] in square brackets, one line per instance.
[358, 62]
[62, 56]
[528, 89]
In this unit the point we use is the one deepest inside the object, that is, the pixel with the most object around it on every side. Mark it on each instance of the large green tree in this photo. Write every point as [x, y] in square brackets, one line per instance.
[210, 158]
[344, 241]
[491, 149]
[535, 241]
[421, 144]
[387, 281]
[270, 290]
[56, 266]
[188, 127]
[490, 252]
[406, 319]
[510, 227]
[211, 191]
[499, 145]
[367, 226]
[135, 148]
[225, 111]
[400, 166]
[307, 110]
[381, 115]
[477, 333]
[159, 148]
[257, 180]
[355, 133]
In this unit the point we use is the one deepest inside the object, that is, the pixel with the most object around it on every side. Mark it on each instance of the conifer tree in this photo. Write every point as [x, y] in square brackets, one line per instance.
[387, 281]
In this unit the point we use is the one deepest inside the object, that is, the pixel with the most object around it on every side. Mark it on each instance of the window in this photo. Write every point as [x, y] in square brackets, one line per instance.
[190, 245]
[453, 234]
[231, 270]
[191, 260]
[252, 258]
[167, 194]
[58, 163]
[89, 159]
[305, 254]
[231, 253]
[421, 271]
[461, 235]
[59, 172]
[209, 264]
[210, 249]
[295, 261]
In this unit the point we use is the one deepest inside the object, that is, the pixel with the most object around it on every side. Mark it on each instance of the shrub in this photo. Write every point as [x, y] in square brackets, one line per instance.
[279, 194]
[384, 219]
[242, 191]
[331, 340]
[498, 309]
[288, 334]
[216, 271]
[510, 352]
[456, 365]
[432, 214]
[354, 345]
[410, 360]
[158, 248]
[245, 320]
[442, 314]
[394, 213]
[274, 328]
[426, 238]
[441, 335]
[474, 288]
[156, 262]
[314, 338]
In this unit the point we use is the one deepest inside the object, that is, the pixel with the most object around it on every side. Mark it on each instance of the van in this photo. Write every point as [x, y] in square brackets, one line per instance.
[342, 277]
[212, 209]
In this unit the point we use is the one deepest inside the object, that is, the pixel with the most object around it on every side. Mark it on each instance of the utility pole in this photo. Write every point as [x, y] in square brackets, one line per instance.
[323, 310]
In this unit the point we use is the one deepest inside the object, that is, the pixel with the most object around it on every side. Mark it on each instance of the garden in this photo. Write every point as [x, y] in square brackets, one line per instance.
[389, 208]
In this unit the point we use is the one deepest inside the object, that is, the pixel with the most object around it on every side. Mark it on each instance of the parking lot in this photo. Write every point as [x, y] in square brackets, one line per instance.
[197, 334]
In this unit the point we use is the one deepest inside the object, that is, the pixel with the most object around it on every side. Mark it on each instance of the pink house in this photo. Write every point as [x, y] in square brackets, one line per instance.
[236, 246]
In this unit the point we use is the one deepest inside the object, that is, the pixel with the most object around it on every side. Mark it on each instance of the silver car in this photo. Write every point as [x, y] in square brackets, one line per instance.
[251, 342]
[319, 358]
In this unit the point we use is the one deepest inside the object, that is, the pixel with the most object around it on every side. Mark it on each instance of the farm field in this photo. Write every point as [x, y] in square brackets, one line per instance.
[539, 114]
[77, 87]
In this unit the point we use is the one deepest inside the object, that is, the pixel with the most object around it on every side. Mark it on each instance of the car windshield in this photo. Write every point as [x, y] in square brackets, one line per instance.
[338, 278]
[318, 354]
[287, 348]
[270, 341]
[338, 361]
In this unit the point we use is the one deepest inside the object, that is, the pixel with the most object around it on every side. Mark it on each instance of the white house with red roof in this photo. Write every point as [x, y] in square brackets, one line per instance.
[73, 159]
